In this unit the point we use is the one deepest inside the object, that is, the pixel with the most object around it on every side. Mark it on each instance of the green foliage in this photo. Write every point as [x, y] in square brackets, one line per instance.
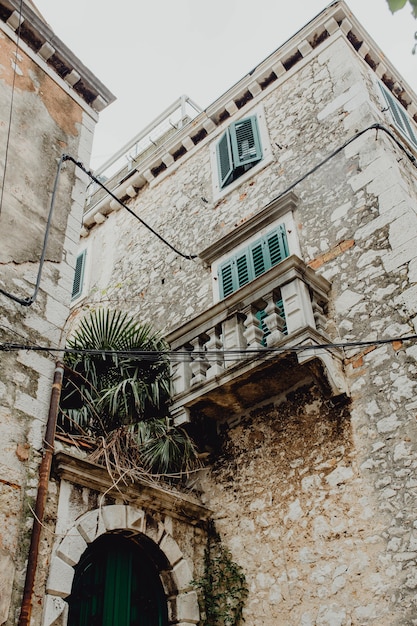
[396, 5]
[119, 398]
[223, 586]
[104, 391]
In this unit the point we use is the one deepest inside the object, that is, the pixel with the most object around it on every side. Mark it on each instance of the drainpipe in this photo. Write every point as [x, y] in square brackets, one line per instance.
[44, 473]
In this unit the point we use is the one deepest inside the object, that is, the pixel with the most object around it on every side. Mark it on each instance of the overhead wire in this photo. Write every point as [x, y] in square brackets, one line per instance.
[65, 157]
[188, 257]
[186, 355]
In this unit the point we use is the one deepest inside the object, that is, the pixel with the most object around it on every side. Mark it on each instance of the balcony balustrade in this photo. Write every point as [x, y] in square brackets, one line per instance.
[253, 344]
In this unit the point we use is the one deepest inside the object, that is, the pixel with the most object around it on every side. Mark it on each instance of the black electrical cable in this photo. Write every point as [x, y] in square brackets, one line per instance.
[185, 355]
[189, 257]
[66, 157]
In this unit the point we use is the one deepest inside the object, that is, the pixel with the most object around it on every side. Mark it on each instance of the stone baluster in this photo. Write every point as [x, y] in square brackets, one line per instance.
[273, 321]
[215, 357]
[319, 317]
[233, 337]
[253, 332]
[199, 363]
[297, 306]
[181, 372]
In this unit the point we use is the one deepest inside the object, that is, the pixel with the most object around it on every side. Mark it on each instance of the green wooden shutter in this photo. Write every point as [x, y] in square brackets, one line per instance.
[399, 115]
[246, 145]
[243, 268]
[277, 246]
[252, 261]
[77, 285]
[258, 258]
[224, 159]
[225, 277]
[234, 273]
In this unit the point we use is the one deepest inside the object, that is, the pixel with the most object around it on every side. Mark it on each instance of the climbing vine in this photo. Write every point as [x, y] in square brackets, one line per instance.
[223, 588]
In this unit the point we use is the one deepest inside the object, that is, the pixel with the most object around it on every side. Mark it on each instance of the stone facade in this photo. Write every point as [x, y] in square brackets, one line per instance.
[43, 114]
[311, 477]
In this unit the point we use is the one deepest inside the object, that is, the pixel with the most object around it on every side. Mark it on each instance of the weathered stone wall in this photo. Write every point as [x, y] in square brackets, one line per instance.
[169, 521]
[45, 122]
[317, 502]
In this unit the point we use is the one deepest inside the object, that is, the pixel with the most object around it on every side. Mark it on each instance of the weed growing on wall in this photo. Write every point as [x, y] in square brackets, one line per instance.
[223, 589]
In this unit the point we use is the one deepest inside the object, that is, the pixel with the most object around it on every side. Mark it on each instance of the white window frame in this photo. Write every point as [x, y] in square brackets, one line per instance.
[267, 156]
[267, 219]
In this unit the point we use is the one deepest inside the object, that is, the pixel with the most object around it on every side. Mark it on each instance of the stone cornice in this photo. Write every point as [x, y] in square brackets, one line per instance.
[273, 211]
[40, 38]
[335, 21]
[86, 474]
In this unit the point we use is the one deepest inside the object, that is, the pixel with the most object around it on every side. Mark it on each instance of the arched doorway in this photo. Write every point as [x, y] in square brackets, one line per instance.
[116, 583]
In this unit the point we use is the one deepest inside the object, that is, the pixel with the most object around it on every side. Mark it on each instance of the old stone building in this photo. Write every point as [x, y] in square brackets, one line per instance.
[49, 105]
[288, 296]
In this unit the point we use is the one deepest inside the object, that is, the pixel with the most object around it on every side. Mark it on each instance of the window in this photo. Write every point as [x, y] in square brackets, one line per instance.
[252, 261]
[116, 584]
[238, 150]
[399, 116]
[77, 286]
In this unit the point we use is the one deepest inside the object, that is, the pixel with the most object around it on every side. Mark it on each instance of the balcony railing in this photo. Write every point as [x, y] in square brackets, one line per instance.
[241, 350]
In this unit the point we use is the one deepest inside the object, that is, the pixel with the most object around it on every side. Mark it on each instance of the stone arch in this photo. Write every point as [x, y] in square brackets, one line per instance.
[176, 578]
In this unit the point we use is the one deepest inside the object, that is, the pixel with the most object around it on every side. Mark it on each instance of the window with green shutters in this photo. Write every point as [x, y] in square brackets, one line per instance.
[116, 584]
[252, 261]
[399, 115]
[238, 150]
[77, 286]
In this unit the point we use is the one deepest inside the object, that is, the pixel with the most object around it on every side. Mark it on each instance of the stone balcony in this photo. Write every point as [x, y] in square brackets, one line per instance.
[255, 344]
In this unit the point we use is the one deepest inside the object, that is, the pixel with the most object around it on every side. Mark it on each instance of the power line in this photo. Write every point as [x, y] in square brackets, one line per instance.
[188, 257]
[65, 157]
[185, 355]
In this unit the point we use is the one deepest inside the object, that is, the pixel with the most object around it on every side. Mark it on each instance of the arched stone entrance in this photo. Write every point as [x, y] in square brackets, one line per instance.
[176, 578]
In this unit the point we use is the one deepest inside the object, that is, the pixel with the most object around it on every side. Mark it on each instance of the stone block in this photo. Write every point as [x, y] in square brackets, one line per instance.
[54, 607]
[182, 575]
[171, 549]
[71, 547]
[114, 517]
[91, 526]
[135, 519]
[60, 578]
[187, 608]
[7, 571]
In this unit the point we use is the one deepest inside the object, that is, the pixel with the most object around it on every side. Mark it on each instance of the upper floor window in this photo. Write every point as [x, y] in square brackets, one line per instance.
[241, 151]
[399, 116]
[238, 150]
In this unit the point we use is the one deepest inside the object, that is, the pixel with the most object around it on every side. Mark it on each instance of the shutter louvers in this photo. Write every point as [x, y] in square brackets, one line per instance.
[258, 259]
[226, 280]
[77, 285]
[245, 141]
[224, 159]
[400, 116]
[252, 261]
[277, 245]
[243, 269]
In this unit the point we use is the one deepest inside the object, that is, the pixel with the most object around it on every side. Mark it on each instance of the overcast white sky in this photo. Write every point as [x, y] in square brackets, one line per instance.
[149, 53]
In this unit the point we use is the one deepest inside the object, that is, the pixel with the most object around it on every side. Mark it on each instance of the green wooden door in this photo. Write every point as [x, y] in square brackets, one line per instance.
[116, 584]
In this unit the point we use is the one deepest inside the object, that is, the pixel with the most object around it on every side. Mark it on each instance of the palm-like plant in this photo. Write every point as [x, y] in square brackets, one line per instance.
[117, 389]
